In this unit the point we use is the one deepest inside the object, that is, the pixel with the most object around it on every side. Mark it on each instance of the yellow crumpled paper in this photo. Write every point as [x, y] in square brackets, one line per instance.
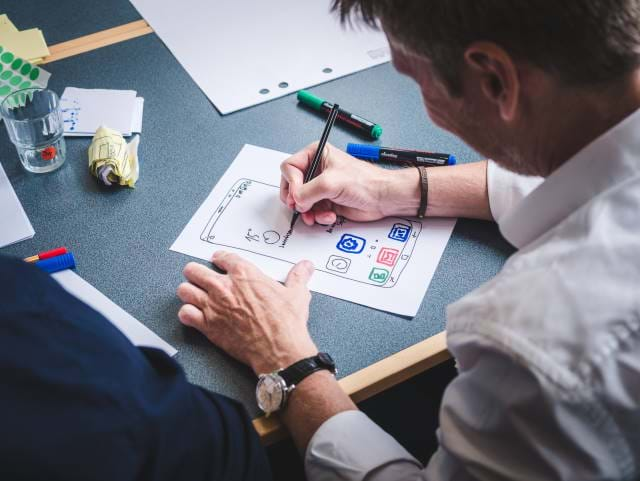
[112, 160]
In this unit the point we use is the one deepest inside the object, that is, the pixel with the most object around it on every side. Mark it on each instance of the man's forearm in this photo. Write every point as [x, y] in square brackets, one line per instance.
[316, 399]
[454, 191]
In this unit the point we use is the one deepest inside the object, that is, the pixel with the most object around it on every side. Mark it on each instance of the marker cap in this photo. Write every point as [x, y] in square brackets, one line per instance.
[363, 151]
[376, 131]
[309, 99]
[58, 263]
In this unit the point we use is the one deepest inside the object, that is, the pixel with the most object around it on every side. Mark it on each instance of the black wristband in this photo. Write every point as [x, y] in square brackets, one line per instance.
[424, 191]
[295, 373]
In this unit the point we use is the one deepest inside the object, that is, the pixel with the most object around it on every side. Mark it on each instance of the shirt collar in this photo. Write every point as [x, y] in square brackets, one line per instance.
[610, 159]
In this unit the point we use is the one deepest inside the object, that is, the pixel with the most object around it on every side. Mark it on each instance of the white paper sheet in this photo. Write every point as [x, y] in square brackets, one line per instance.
[84, 110]
[386, 264]
[245, 52]
[14, 223]
[134, 330]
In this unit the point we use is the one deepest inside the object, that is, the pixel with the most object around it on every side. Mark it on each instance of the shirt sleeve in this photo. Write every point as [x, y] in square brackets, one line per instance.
[506, 189]
[351, 447]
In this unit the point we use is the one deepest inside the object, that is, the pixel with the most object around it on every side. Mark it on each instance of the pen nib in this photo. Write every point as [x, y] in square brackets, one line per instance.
[293, 220]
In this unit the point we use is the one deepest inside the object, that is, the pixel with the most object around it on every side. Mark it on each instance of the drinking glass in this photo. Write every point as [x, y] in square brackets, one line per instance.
[34, 123]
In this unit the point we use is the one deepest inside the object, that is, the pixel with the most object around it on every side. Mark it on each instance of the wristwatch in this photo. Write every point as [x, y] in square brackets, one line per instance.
[274, 388]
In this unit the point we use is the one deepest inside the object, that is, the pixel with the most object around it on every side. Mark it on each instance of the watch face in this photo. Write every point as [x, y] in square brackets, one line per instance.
[270, 392]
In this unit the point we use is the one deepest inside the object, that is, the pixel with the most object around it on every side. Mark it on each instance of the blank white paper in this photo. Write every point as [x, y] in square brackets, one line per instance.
[14, 223]
[387, 264]
[134, 330]
[245, 52]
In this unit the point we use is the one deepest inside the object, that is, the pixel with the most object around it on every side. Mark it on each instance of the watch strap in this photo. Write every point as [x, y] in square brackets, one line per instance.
[295, 373]
[424, 191]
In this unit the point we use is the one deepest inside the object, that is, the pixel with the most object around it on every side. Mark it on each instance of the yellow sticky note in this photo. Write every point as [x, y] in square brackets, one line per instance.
[25, 44]
[112, 160]
[6, 25]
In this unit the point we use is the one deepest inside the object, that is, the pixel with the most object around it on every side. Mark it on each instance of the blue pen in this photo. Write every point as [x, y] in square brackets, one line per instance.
[58, 263]
[399, 156]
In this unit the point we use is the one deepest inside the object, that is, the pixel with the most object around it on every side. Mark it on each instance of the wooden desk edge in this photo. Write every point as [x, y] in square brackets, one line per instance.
[373, 379]
[97, 40]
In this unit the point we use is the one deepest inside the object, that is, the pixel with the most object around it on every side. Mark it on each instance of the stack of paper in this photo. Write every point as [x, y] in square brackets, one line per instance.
[14, 223]
[85, 110]
[26, 44]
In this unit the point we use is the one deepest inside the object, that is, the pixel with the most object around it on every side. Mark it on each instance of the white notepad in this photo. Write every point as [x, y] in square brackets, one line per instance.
[387, 264]
[245, 52]
[134, 330]
[14, 223]
[85, 110]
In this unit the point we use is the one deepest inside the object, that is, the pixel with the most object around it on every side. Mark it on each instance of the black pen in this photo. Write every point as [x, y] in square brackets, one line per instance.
[311, 171]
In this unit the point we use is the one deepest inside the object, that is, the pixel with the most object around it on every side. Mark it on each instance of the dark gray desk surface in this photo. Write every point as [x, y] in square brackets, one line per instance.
[62, 20]
[121, 237]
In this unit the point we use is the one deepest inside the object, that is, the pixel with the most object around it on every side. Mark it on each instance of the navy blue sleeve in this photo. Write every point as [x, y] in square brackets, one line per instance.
[79, 402]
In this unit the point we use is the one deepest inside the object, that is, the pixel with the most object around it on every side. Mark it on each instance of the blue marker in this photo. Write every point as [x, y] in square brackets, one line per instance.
[58, 263]
[399, 156]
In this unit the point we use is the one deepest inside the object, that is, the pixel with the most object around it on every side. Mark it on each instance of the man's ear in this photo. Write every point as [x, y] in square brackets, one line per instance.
[498, 76]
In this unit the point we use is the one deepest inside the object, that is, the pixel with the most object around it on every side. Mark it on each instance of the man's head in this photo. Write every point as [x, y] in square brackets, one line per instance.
[497, 71]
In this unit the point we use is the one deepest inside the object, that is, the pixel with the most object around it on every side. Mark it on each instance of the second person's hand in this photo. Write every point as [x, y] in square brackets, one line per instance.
[346, 186]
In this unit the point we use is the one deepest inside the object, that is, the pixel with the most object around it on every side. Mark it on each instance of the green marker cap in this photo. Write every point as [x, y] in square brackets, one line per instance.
[309, 99]
[376, 131]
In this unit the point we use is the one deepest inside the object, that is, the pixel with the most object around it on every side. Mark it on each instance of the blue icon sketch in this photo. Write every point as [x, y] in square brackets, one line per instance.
[351, 244]
[400, 232]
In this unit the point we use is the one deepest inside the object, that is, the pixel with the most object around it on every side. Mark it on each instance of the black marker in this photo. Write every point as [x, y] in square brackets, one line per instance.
[311, 171]
[399, 156]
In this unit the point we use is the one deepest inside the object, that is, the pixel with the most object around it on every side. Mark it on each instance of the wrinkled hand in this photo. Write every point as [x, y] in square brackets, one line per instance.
[343, 185]
[253, 318]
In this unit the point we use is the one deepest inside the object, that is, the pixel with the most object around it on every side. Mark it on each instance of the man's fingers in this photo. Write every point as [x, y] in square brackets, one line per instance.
[232, 263]
[190, 294]
[320, 188]
[190, 315]
[292, 178]
[324, 213]
[201, 276]
[299, 275]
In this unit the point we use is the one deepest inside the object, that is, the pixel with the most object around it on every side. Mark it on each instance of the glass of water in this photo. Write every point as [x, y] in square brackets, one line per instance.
[34, 122]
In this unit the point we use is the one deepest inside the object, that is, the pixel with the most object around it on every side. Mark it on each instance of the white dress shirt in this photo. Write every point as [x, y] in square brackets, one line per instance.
[548, 351]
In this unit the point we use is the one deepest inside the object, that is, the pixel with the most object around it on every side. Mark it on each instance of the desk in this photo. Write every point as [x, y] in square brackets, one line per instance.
[121, 237]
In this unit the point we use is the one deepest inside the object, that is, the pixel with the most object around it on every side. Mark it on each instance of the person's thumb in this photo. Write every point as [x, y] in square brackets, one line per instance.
[299, 275]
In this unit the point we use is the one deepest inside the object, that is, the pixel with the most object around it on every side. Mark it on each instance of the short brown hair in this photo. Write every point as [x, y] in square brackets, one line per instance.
[583, 42]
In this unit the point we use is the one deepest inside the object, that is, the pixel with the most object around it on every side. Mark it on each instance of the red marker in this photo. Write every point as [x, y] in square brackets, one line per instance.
[47, 254]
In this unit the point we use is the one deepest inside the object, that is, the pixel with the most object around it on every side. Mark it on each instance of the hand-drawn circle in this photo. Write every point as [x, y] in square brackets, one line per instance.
[263, 91]
[283, 85]
[271, 237]
[327, 70]
[339, 263]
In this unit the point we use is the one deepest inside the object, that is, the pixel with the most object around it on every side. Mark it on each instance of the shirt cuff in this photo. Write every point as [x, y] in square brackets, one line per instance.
[348, 446]
[506, 189]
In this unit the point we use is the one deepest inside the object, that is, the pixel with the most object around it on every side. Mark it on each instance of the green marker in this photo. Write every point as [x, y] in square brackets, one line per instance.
[364, 126]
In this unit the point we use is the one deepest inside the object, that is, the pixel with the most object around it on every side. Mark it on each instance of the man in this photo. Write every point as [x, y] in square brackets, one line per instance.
[80, 402]
[549, 350]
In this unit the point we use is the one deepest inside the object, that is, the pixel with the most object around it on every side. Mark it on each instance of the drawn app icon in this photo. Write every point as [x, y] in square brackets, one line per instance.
[338, 264]
[400, 232]
[351, 244]
[379, 275]
[388, 256]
